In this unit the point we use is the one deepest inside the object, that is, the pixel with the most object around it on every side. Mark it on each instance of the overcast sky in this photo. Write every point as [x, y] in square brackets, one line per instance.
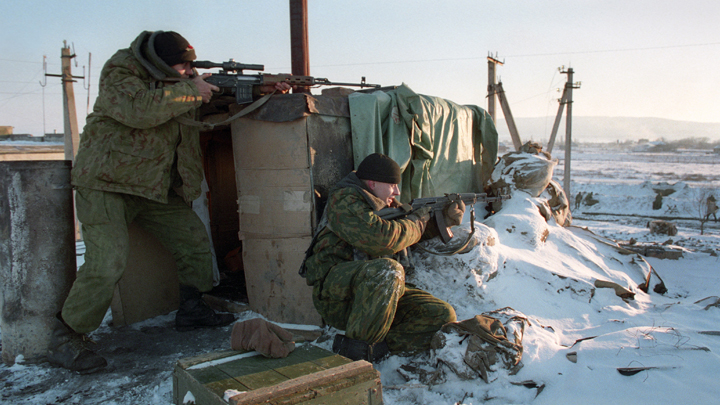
[648, 58]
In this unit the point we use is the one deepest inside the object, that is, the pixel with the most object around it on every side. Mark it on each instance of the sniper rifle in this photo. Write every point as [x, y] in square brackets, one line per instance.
[438, 205]
[231, 79]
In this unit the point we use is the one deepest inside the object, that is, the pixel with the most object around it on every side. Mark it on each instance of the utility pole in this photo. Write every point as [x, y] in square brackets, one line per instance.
[492, 62]
[72, 135]
[565, 100]
[497, 89]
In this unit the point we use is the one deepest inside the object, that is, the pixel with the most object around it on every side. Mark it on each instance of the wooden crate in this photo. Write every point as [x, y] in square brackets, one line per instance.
[308, 376]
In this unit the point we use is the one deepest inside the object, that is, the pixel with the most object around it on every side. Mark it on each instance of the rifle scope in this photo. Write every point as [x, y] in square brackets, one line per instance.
[230, 65]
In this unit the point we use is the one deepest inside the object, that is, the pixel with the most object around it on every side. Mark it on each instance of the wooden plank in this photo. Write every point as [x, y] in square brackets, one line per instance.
[298, 370]
[353, 390]
[263, 379]
[219, 387]
[302, 383]
[368, 392]
[332, 361]
[191, 361]
[208, 374]
[184, 383]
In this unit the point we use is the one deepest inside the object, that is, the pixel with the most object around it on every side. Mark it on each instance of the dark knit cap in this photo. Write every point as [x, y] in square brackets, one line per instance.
[173, 49]
[378, 167]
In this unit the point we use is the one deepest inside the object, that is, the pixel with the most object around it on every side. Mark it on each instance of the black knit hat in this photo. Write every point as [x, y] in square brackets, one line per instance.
[173, 49]
[378, 167]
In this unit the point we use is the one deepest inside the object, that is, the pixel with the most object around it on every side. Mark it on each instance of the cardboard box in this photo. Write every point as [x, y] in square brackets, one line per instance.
[274, 203]
[288, 155]
[270, 145]
[274, 287]
[309, 375]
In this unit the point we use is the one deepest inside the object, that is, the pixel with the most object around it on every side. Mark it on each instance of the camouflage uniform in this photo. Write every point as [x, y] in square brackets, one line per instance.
[136, 163]
[368, 298]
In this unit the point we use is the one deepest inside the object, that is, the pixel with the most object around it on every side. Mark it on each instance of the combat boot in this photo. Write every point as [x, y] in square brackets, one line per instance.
[355, 349]
[68, 349]
[195, 313]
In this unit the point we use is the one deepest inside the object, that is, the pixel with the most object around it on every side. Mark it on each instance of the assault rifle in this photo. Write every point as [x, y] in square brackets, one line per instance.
[438, 204]
[231, 79]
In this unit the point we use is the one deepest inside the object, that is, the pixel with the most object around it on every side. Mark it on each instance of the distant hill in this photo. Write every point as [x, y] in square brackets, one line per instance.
[610, 129]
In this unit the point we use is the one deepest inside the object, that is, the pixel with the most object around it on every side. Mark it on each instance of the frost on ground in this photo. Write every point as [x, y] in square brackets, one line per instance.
[582, 343]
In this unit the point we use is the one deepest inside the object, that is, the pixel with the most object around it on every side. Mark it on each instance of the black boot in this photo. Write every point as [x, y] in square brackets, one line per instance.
[360, 350]
[195, 313]
[68, 349]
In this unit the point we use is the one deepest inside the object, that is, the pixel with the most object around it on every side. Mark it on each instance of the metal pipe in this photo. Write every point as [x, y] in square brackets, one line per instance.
[299, 52]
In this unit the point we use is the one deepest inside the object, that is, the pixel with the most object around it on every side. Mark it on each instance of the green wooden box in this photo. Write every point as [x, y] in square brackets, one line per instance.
[309, 375]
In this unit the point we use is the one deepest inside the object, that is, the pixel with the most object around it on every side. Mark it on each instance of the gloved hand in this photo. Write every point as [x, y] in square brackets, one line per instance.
[422, 215]
[454, 213]
[262, 336]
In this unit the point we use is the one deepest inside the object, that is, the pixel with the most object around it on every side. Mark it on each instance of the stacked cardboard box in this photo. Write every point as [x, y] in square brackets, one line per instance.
[282, 170]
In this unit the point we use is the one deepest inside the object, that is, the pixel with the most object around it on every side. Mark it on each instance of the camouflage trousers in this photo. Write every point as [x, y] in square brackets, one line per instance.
[370, 301]
[105, 218]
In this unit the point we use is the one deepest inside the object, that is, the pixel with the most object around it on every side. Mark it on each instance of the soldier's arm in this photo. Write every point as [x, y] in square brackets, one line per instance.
[126, 98]
[352, 220]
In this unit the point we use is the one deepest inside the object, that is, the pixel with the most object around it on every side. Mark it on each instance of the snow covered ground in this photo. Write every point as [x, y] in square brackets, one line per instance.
[576, 337]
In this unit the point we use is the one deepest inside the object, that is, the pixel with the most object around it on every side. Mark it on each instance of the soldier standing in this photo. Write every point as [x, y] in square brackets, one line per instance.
[136, 162]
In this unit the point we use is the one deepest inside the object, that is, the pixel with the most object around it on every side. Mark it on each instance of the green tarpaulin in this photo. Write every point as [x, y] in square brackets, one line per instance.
[441, 146]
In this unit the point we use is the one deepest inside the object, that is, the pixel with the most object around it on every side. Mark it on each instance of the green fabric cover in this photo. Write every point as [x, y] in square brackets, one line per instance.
[441, 146]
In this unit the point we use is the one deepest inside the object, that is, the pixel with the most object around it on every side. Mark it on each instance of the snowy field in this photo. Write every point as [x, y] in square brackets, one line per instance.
[577, 337]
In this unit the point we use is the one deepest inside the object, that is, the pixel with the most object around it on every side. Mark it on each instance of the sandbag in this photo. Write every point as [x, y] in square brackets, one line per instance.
[529, 169]
[557, 205]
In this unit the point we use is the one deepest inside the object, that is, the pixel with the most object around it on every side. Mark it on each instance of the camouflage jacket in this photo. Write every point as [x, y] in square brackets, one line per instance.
[353, 225]
[131, 144]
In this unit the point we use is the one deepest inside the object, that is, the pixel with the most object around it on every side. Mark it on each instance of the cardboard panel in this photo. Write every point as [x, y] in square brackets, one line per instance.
[275, 289]
[274, 203]
[270, 145]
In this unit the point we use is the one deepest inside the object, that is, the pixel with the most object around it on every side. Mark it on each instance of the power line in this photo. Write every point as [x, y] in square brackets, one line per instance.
[19, 61]
[525, 55]
[615, 50]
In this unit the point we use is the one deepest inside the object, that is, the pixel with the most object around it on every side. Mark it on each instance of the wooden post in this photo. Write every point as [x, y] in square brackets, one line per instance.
[508, 116]
[72, 135]
[556, 125]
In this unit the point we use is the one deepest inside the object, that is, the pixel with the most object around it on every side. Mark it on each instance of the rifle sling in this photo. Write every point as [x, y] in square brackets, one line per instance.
[461, 248]
[206, 126]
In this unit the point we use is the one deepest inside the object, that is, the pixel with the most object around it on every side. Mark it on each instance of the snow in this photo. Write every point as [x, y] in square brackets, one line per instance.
[577, 335]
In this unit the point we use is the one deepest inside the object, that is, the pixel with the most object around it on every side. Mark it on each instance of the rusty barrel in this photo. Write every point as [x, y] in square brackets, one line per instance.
[37, 253]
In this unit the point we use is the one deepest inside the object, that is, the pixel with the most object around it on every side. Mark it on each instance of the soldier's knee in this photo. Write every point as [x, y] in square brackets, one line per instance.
[386, 269]
[449, 314]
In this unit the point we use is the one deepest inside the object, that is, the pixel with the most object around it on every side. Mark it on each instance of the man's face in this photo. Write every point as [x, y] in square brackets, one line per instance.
[185, 69]
[384, 191]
